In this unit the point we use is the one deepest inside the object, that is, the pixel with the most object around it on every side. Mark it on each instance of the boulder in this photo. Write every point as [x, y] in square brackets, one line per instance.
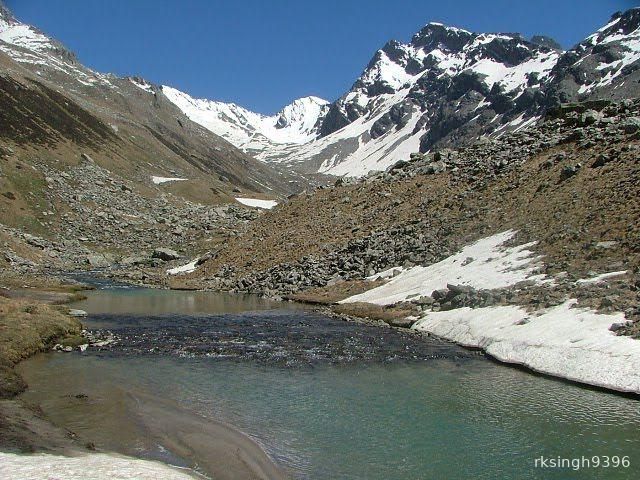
[630, 125]
[401, 322]
[165, 254]
[98, 260]
[133, 260]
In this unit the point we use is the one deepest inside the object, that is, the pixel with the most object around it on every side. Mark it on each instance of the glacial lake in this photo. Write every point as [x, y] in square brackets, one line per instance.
[326, 399]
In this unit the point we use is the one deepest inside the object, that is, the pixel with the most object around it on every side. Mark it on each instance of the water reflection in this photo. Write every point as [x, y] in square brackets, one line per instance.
[140, 301]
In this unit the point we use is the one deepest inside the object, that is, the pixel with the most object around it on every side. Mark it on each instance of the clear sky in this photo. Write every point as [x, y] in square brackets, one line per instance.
[262, 54]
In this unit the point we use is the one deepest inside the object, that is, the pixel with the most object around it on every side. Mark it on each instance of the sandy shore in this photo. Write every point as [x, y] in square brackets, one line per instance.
[218, 449]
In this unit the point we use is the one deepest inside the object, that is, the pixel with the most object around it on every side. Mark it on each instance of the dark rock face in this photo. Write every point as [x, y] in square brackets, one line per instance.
[544, 41]
[434, 34]
[165, 254]
[36, 114]
[600, 66]
[421, 58]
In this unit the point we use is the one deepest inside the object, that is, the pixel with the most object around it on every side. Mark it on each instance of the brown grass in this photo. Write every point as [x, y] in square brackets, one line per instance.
[28, 327]
[333, 293]
[568, 217]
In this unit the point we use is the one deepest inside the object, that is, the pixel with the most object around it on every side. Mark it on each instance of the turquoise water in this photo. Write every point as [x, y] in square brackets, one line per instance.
[431, 419]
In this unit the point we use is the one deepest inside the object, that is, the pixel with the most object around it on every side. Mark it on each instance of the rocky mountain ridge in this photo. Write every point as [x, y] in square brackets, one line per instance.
[449, 87]
[102, 170]
[140, 119]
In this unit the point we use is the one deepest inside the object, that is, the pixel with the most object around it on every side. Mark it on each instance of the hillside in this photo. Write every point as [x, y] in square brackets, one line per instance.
[92, 163]
[469, 243]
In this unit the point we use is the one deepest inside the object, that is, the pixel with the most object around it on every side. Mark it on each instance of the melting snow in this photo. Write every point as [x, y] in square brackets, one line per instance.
[25, 44]
[564, 341]
[188, 268]
[515, 77]
[601, 278]
[144, 86]
[23, 36]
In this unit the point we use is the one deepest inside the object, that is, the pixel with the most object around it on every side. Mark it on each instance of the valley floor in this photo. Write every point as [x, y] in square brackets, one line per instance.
[525, 247]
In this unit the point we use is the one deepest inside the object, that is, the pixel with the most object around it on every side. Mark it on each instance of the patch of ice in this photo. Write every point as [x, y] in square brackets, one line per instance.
[256, 202]
[563, 341]
[486, 263]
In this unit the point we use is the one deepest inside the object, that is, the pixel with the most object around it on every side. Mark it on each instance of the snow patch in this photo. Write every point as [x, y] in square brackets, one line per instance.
[256, 202]
[160, 180]
[188, 268]
[600, 278]
[143, 86]
[486, 264]
[100, 465]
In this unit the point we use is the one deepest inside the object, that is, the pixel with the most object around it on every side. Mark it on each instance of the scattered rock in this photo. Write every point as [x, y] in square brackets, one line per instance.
[165, 254]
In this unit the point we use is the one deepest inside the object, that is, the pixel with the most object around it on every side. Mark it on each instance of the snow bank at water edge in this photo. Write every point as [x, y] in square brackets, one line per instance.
[102, 466]
[563, 341]
[159, 180]
[484, 264]
[256, 202]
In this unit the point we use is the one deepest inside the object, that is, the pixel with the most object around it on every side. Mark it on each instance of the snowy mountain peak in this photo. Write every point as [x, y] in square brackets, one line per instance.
[23, 41]
[302, 113]
[296, 123]
[446, 87]
[5, 14]
[609, 58]
[437, 35]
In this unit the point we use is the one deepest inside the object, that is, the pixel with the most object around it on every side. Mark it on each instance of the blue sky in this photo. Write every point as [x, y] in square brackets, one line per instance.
[262, 54]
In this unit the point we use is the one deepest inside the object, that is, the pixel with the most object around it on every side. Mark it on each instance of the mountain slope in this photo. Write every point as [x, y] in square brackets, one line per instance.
[146, 130]
[606, 65]
[97, 170]
[448, 87]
